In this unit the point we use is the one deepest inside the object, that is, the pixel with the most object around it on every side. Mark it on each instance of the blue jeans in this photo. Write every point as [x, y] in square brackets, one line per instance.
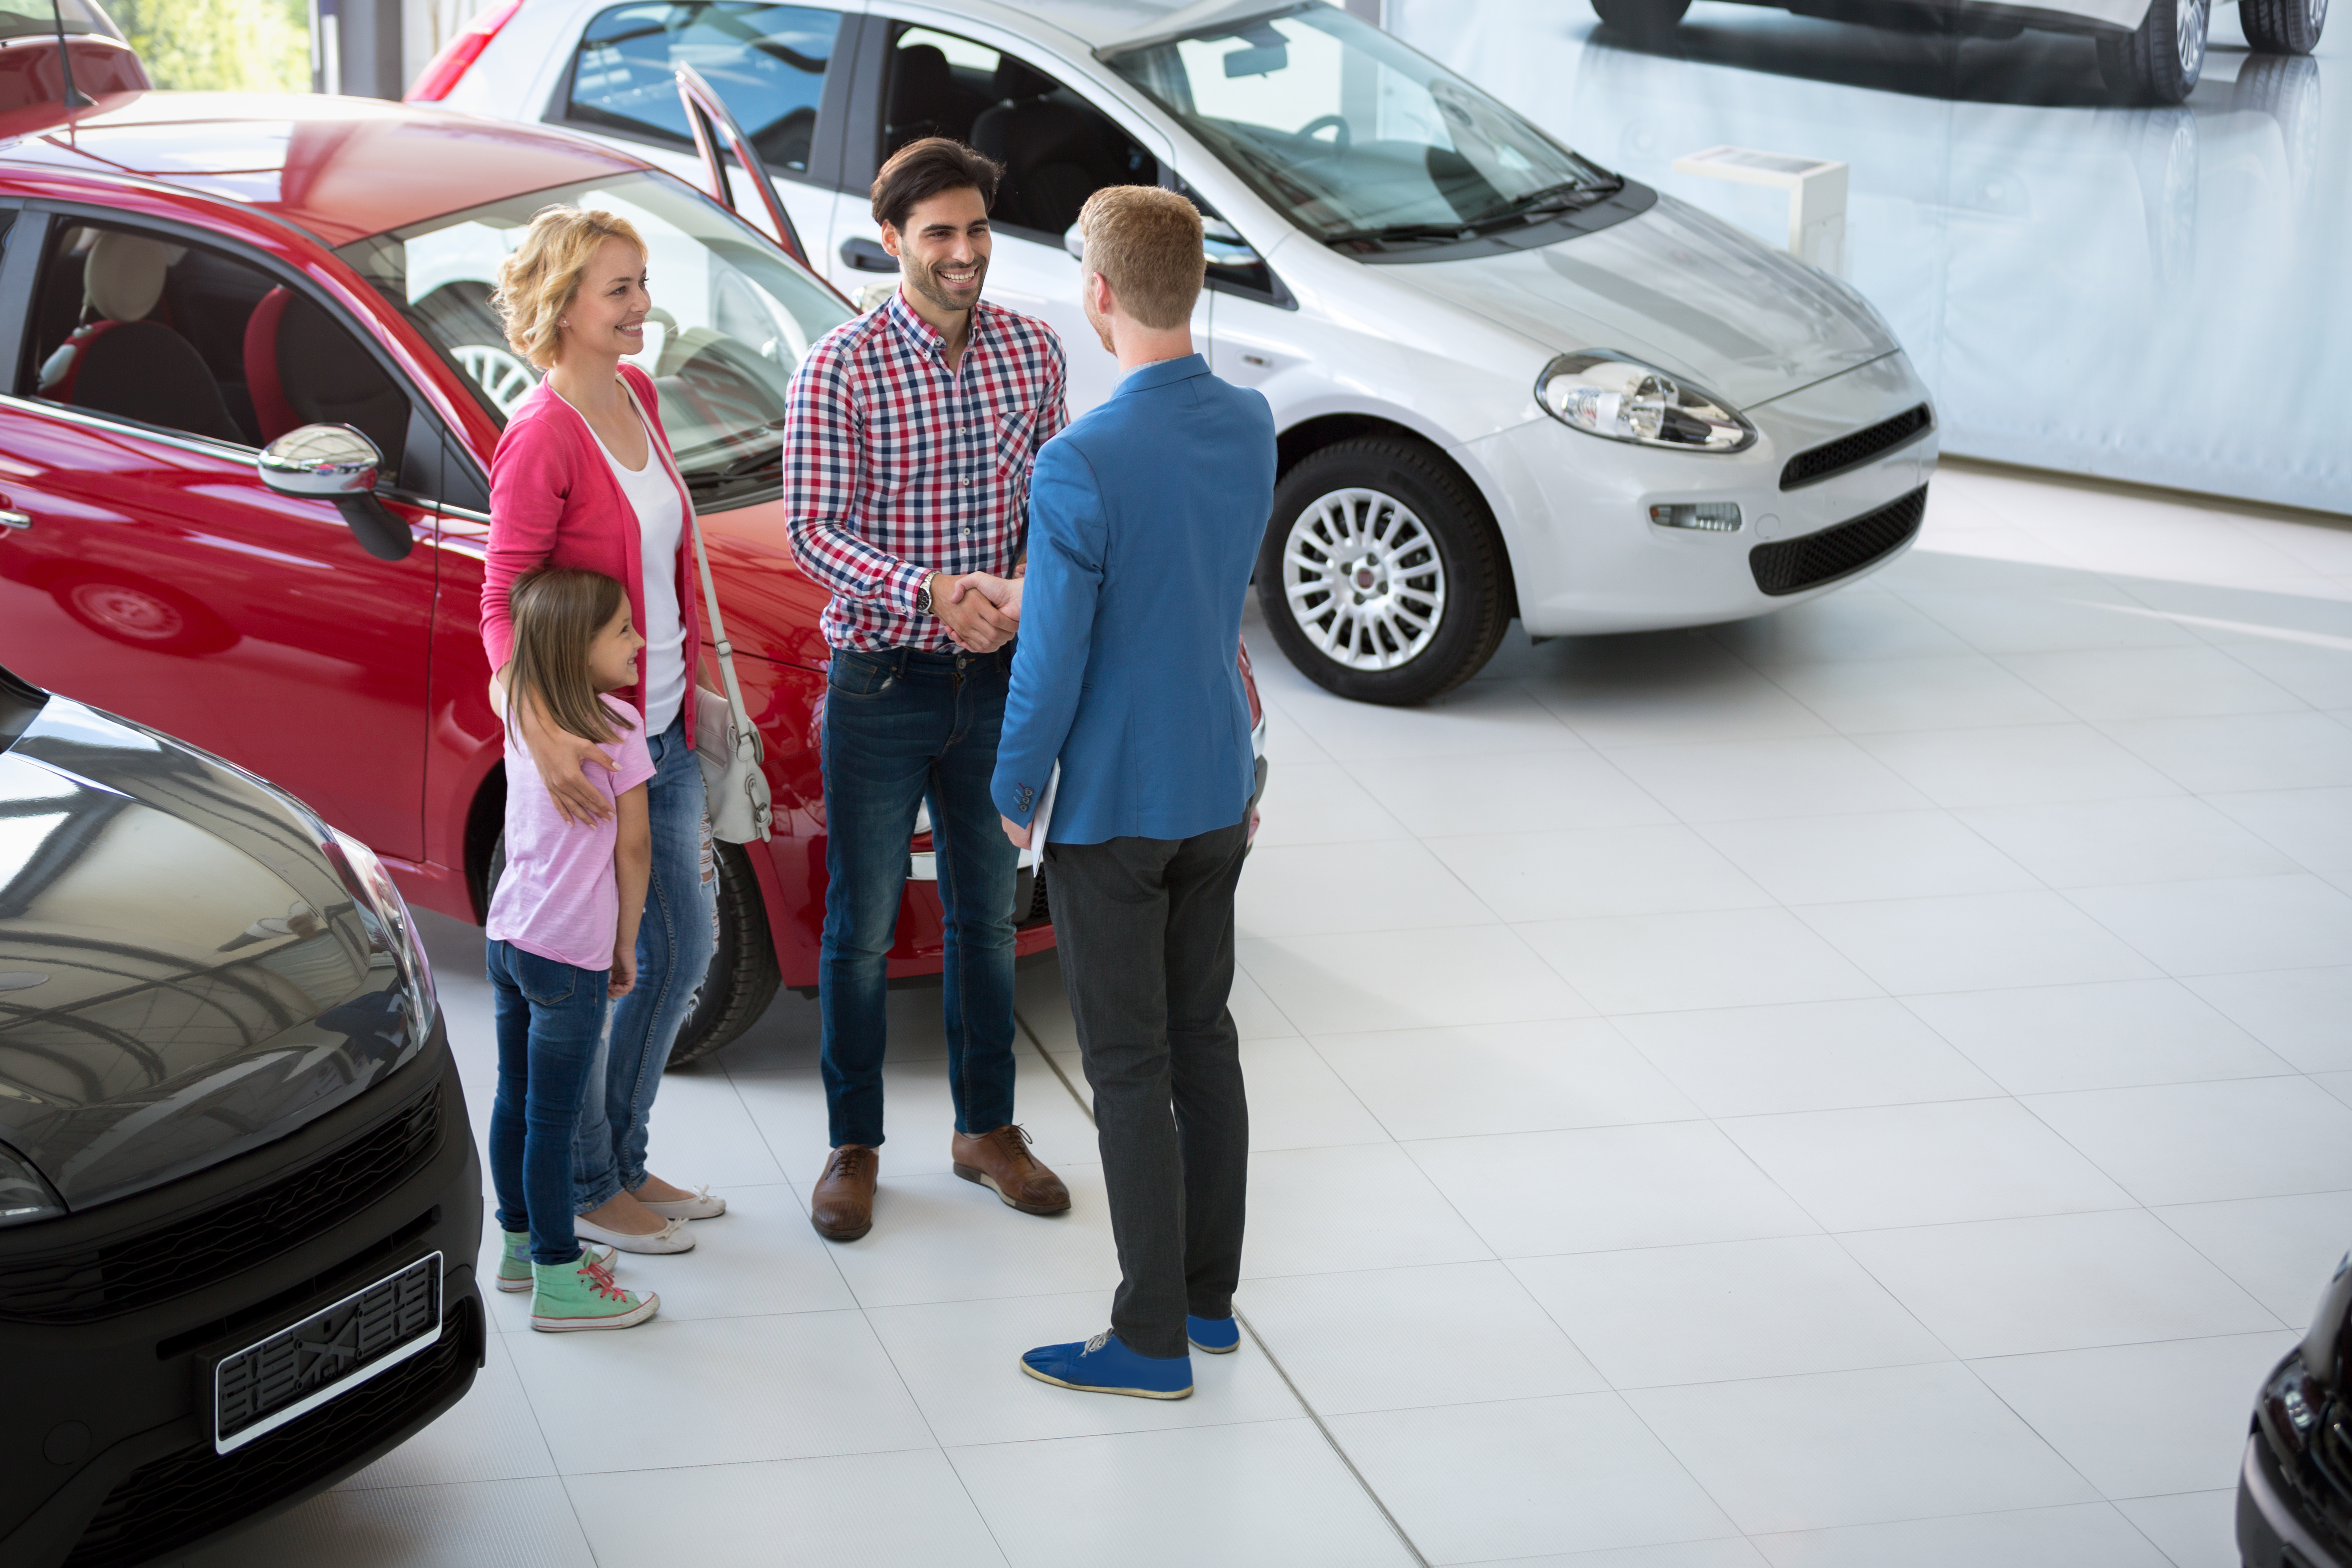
[675, 944]
[550, 1020]
[900, 728]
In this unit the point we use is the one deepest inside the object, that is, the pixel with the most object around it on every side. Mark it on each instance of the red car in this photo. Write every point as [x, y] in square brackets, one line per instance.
[187, 278]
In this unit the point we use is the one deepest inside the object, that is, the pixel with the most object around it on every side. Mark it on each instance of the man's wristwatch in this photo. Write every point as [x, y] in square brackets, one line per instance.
[923, 598]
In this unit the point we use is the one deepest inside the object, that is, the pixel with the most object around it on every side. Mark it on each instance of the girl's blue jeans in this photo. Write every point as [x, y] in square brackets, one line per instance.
[675, 944]
[550, 1019]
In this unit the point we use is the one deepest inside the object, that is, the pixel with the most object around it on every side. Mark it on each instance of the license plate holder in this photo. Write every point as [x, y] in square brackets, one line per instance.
[293, 1371]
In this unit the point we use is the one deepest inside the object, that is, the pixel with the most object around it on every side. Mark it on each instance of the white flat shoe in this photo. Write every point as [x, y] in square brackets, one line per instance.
[701, 1205]
[671, 1237]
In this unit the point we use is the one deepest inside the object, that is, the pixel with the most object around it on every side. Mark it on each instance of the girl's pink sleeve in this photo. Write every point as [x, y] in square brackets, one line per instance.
[528, 486]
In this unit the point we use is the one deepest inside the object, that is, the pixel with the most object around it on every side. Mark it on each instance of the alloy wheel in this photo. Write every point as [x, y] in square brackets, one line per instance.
[2189, 25]
[503, 378]
[1364, 579]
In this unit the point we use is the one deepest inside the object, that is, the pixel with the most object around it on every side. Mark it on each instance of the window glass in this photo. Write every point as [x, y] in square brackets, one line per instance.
[38, 19]
[1057, 150]
[731, 318]
[767, 63]
[1354, 136]
[144, 328]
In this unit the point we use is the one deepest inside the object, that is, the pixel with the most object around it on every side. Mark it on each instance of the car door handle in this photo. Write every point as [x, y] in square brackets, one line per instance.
[15, 519]
[864, 255]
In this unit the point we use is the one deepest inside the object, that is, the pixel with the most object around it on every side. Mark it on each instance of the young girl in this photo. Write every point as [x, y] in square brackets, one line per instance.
[563, 936]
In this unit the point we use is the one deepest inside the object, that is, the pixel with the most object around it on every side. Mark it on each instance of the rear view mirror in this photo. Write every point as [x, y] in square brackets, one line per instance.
[1260, 61]
[336, 463]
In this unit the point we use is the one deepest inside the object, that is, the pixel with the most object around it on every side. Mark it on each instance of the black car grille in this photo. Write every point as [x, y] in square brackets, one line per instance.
[128, 1272]
[185, 1496]
[1792, 565]
[1849, 451]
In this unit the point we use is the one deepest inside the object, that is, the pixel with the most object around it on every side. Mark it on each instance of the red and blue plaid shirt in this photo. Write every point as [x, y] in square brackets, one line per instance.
[896, 466]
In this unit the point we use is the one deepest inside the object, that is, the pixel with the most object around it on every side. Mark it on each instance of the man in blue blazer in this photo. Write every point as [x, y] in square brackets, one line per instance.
[1145, 518]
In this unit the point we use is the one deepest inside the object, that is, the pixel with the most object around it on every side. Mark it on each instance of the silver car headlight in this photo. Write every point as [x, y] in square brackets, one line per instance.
[1604, 394]
[391, 931]
[24, 1196]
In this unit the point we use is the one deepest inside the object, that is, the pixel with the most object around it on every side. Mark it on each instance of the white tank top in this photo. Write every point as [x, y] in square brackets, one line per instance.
[661, 532]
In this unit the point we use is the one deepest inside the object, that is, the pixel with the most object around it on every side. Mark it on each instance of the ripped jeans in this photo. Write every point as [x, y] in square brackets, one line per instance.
[675, 944]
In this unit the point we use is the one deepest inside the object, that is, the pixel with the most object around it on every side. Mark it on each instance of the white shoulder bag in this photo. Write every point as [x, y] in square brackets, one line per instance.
[727, 747]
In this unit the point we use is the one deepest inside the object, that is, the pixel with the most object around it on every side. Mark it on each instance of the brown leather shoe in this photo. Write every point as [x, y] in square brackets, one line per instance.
[841, 1208]
[1001, 1161]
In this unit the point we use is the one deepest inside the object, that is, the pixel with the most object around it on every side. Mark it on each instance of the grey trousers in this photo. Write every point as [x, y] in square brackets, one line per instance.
[1146, 930]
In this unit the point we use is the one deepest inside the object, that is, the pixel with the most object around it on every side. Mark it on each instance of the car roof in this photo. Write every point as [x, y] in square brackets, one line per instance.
[340, 168]
[1102, 24]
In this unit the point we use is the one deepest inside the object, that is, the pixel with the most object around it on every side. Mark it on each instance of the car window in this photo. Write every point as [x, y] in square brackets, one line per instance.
[1358, 139]
[146, 328]
[730, 322]
[766, 62]
[1057, 150]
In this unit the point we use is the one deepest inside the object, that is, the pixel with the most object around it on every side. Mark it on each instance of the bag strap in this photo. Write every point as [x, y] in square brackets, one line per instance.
[735, 708]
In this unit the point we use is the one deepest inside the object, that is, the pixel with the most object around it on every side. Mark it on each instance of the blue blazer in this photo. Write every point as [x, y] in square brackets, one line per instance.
[1145, 519]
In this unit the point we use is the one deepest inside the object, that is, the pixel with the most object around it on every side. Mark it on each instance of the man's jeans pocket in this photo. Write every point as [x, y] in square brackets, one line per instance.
[852, 675]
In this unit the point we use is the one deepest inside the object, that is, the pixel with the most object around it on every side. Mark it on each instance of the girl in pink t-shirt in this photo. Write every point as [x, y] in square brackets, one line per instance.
[563, 935]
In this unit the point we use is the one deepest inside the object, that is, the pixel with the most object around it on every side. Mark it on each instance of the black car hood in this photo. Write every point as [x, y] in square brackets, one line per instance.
[184, 974]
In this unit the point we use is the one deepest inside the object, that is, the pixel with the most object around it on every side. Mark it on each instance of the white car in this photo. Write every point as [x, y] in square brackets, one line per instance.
[1508, 383]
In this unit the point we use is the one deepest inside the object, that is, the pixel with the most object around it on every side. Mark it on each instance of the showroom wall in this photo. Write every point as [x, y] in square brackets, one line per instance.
[2146, 294]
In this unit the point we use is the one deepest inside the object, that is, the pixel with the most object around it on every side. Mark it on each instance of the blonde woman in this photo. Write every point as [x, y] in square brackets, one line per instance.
[584, 478]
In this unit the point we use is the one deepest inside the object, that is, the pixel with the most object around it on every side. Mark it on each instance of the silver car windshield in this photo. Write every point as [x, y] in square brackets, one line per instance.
[731, 318]
[1354, 136]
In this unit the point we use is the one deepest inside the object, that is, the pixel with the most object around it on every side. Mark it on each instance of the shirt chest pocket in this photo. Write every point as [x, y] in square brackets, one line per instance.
[1015, 434]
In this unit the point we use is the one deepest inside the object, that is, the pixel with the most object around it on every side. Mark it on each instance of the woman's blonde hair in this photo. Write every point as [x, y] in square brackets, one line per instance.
[558, 613]
[537, 281]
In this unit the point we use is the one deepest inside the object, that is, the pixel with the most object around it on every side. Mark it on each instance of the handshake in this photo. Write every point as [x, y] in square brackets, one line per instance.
[980, 610]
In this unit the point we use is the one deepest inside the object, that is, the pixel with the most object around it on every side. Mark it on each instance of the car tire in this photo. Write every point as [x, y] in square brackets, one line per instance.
[742, 977]
[2157, 62]
[1435, 582]
[2282, 26]
[1647, 21]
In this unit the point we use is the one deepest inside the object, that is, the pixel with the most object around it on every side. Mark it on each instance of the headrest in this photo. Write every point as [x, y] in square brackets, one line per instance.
[920, 73]
[1014, 79]
[122, 277]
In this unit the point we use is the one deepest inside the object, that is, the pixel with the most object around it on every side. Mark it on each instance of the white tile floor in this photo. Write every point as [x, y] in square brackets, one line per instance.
[1869, 1086]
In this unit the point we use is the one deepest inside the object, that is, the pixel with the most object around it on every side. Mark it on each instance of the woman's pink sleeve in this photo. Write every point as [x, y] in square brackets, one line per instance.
[528, 487]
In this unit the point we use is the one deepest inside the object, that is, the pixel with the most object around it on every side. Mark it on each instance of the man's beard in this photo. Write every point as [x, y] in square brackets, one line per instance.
[926, 283]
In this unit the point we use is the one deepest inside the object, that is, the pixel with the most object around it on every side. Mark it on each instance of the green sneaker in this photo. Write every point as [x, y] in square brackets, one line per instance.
[582, 1295]
[514, 1261]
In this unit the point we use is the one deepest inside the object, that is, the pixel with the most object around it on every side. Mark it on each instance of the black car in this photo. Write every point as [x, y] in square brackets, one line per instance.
[2294, 1492]
[239, 1200]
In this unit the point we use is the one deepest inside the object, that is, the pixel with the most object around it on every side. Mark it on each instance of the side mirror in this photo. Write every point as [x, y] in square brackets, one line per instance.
[1074, 243]
[336, 463]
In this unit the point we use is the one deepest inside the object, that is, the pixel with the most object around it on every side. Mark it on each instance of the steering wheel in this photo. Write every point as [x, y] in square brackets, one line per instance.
[1337, 121]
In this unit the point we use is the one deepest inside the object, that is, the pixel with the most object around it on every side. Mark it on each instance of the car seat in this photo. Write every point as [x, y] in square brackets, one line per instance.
[1056, 154]
[119, 363]
[303, 369]
[922, 93]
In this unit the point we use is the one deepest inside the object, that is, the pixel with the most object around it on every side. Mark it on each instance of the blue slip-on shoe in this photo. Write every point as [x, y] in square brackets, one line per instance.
[1218, 1336]
[1104, 1365]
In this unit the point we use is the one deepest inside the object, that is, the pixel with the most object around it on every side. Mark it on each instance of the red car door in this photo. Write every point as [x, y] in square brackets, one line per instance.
[155, 575]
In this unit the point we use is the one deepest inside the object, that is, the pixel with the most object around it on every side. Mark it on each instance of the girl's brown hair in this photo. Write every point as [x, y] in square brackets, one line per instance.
[558, 613]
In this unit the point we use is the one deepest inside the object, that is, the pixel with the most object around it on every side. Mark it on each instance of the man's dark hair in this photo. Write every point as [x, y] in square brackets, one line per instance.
[922, 169]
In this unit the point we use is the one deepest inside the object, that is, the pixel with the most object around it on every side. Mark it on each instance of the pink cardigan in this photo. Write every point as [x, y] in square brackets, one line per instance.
[554, 501]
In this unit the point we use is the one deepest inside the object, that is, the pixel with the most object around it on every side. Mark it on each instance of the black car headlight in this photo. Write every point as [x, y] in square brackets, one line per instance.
[24, 1196]
[2291, 1402]
[1608, 395]
[392, 931]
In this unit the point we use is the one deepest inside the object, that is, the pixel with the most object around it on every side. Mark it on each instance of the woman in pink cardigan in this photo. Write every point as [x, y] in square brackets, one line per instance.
[584, 476]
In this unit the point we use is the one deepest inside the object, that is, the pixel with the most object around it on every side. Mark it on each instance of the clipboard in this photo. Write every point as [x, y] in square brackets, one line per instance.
[1037, 824]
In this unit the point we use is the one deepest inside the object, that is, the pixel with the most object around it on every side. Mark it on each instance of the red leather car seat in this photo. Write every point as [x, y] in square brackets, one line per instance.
[119, 363]
[301, 368]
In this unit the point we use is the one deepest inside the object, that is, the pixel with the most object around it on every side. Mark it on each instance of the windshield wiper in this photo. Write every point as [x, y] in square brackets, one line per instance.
[1567, 196]
[743, 467]
[1407, 231]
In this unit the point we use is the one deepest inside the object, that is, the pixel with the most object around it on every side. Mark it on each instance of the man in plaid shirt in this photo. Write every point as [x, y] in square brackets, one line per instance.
[908, 436]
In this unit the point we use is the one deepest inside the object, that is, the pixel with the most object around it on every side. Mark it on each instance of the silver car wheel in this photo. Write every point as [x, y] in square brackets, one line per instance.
[1364, 579]
[2189, 22]
[503, 378]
